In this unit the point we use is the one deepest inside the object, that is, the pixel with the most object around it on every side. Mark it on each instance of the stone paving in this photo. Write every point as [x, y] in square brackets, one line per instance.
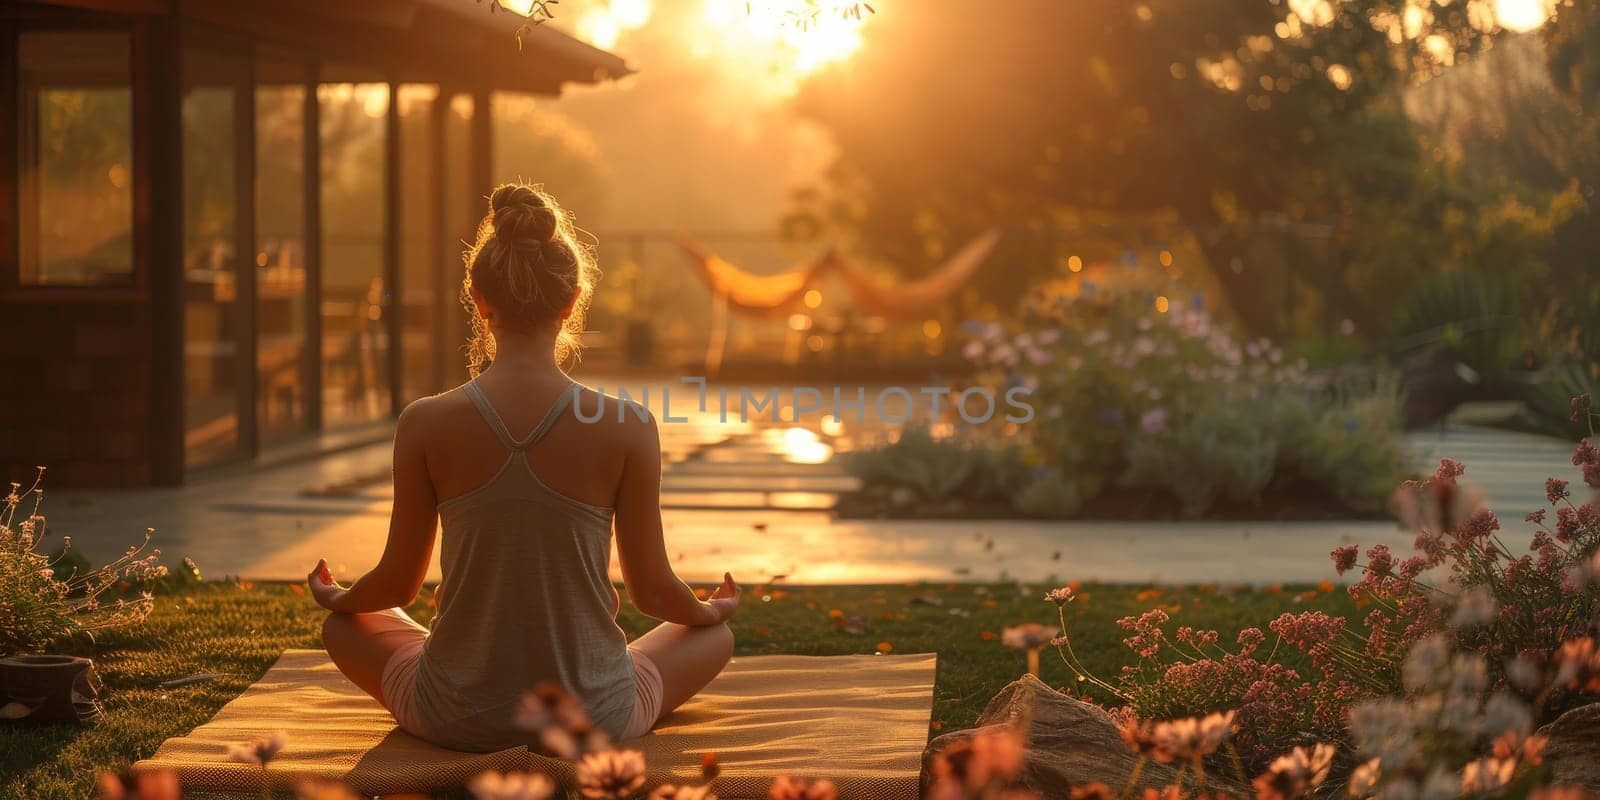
[752, 499]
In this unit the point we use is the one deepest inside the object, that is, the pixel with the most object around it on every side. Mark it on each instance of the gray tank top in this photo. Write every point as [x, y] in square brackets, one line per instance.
[525, 599]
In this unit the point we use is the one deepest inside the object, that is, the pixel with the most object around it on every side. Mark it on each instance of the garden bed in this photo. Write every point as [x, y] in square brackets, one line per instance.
[1286, 504]
[237, 629]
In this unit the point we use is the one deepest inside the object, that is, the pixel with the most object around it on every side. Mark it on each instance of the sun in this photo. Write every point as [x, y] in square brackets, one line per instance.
[799, 36]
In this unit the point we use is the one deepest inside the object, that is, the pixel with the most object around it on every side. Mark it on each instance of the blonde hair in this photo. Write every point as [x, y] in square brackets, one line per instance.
[527, 264]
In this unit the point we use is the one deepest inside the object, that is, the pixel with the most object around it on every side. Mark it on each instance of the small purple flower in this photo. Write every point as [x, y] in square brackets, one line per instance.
[1153, 421]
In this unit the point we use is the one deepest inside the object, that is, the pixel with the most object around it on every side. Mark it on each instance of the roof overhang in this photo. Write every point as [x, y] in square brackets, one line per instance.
[455, 43]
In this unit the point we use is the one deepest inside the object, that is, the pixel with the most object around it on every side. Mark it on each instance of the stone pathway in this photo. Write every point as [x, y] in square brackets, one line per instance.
[752, 499]
[1508, 467]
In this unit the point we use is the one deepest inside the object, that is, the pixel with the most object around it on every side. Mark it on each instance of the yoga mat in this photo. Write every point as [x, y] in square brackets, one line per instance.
[859, 721]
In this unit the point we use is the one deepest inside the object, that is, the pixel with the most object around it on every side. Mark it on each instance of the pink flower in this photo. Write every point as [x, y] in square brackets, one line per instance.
[145, 786]
[1153, 421]
[1249, 640]
[1555, 490]
[1295, 774]
[1585, 454]
[1580, 407]
[1028, 635]
[1344, 558]
[511, 786]
[1061, 596]
[1195, 737]
[787, 788]
[610, 774]
[260, 751]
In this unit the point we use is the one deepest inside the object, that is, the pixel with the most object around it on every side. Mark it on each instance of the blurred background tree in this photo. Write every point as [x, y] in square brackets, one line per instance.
[1351, 150]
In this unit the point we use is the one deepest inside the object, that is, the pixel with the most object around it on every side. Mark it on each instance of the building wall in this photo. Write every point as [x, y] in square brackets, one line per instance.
[78, 389]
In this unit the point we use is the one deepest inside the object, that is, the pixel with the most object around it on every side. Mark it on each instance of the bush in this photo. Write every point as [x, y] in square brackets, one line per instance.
[939, 469]
[1167, 402]
[1216, 452]
[47, 600]
[1463, 610]
[1346, 442]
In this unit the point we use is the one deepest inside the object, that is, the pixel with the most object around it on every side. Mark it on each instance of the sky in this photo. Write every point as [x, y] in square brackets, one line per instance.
[702, 136]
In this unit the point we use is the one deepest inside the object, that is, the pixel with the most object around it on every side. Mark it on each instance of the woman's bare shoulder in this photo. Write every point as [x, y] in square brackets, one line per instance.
[621, 421]
[436, 411]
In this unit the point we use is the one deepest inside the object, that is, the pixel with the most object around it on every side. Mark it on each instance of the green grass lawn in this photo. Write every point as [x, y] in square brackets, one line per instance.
[238, 629]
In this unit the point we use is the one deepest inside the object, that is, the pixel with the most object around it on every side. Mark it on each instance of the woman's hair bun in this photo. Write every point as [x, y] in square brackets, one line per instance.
[522, 216]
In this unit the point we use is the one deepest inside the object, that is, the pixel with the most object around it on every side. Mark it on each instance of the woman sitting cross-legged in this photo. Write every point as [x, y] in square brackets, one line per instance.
[527, 493]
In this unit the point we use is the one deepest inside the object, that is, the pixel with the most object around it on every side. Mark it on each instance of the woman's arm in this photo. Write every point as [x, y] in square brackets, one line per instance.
[398, 577]
[655, 589]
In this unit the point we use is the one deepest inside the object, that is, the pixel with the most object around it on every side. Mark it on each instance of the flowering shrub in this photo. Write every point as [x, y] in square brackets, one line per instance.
[919, 469]
[1468, 646]
[45, 600]
[1171, 403]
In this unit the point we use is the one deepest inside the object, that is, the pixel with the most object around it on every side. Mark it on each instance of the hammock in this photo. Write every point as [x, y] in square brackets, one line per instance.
[919, 297]
[776, 295]
[747, 292]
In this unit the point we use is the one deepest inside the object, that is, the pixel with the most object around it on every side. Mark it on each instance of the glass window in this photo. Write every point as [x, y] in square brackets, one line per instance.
[355, 345]
[212, 314]
[280, 258]
[76, 159]
[420, 303]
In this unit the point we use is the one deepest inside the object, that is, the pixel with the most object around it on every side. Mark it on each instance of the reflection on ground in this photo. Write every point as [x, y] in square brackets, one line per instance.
[753, 498]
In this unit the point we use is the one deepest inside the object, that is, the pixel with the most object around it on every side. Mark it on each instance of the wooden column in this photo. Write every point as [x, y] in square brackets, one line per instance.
[10, 118]
[159, 83]
[244, 121]
[444, 259]
[393, 288]
[312, 142]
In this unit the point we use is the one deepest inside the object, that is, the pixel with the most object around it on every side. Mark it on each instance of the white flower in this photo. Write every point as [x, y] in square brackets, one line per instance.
[1469, 675]
[1440, 785]
[1504, 713]
[1475, 607]
[1424, 663]
[1384, 728]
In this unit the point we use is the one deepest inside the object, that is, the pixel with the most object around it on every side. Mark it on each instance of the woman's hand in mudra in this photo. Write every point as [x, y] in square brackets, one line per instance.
[725, 600]
[323, 587]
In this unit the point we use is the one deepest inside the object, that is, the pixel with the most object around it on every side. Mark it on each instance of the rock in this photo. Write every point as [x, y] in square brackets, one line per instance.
[1070, 742]
[1573, 748]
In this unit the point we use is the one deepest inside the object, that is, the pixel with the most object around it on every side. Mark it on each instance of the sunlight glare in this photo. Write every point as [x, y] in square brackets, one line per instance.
[603, 25]
[1521, 16]
[519, 7]
[599, 29]
[798, 445]
[767, 31]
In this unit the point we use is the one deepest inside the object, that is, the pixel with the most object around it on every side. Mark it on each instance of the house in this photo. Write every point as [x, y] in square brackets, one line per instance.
[177, 288]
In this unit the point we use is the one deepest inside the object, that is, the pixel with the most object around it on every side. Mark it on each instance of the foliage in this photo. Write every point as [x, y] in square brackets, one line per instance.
[1216, 451]
[1287, 117]
[1145, 399]
[42, 603]
[939, 469]
[1471, 319]
[1464, 641]
[1345, 442]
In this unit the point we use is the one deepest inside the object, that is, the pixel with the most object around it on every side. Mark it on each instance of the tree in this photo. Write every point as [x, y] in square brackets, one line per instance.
[1234, 119]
